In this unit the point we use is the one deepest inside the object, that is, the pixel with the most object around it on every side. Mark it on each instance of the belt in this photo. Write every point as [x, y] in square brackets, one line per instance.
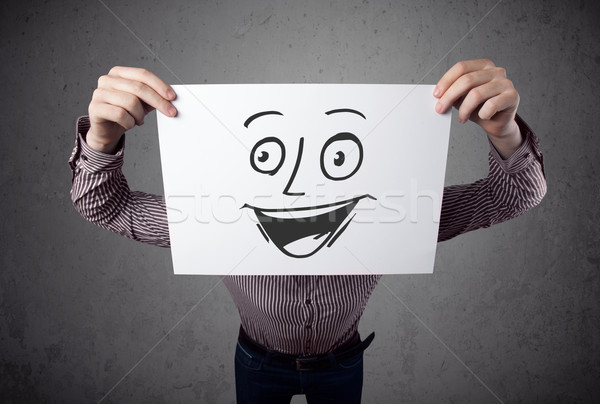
[348, 350]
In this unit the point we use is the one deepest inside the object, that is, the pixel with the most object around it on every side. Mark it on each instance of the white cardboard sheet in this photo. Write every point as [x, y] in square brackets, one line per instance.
[285, 179]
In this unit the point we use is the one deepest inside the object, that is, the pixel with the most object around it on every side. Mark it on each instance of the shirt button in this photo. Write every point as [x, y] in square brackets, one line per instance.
[84, 157]
[308, 301]
[309, 326]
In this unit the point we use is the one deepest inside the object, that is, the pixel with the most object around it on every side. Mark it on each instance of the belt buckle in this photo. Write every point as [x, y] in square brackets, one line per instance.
[302, 362]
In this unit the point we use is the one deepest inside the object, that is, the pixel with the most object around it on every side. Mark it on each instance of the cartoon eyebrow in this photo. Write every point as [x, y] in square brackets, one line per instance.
[259, 114]
[335, 111]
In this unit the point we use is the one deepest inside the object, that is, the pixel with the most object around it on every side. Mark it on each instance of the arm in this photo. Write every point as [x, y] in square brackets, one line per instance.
[512, 187]
[516, 181]
[100, 192]
[101, 195]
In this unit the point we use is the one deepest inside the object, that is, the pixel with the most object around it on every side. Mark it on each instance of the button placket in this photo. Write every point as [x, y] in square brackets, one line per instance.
[310, 315]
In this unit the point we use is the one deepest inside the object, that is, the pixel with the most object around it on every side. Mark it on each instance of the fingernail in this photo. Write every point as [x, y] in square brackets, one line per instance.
[170, 94]
[436, 92]
[438, 108]
[172, 111]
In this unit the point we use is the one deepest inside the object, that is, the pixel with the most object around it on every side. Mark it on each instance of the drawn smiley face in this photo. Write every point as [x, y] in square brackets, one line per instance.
[302, 231]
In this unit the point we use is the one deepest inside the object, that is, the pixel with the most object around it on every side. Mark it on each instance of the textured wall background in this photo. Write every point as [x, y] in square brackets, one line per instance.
[80, 307]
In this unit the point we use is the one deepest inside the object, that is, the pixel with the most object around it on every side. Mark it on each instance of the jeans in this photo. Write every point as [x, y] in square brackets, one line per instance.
[260, 381]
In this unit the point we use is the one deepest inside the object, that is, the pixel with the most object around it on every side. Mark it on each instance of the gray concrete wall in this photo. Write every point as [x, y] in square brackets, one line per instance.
[80, 307]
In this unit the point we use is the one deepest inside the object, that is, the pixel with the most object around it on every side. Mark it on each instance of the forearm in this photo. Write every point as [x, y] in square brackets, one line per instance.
[512, 187]
[509, 142]
[100, 193]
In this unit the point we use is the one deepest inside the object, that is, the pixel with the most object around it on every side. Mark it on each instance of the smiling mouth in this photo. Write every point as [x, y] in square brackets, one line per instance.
[301, 232]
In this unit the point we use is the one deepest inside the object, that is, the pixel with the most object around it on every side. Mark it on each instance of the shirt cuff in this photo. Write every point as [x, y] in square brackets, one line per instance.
[90, 160]
[524, 155]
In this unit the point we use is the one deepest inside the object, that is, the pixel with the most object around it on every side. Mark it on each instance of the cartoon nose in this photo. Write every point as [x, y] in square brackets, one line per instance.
[287, 190]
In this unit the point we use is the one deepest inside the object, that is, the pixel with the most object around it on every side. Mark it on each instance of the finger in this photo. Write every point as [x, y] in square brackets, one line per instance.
[504, 101]
[144, 76]
[465, 83]
[140, 90]
[458, 70]
[127, 101]
[477, 96]
[101, 112]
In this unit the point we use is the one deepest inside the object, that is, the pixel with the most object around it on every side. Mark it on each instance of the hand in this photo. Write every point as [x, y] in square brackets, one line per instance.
[123, 98]
[482, 93]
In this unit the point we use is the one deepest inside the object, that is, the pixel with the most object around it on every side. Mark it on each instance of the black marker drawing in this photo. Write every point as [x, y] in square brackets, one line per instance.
[258, 115]
[342, 144]
[286, 190]
[301, 232]
[267, 155]
[353, 111]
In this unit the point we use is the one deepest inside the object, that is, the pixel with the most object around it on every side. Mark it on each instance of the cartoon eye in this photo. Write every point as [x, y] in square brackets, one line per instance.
[267, 155]
[341, 156]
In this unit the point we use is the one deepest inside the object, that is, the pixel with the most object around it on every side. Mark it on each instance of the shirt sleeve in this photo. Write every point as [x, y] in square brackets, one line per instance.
[512, 187]
[100, 193]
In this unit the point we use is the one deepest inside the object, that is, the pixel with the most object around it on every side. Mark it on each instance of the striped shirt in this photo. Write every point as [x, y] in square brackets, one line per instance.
[302, 315]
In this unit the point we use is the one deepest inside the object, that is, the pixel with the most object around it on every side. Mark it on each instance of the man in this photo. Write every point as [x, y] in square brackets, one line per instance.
[299, 333]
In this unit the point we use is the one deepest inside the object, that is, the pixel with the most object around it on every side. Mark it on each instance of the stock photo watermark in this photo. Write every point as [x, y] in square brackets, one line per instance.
[412, 204]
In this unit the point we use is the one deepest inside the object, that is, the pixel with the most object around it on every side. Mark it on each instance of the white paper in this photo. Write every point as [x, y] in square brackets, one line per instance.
[285, 179]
